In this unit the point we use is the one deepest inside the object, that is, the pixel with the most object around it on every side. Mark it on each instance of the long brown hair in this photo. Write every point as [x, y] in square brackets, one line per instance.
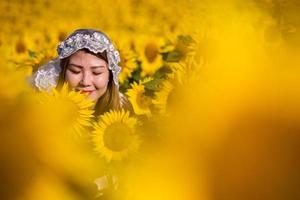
[110, 99]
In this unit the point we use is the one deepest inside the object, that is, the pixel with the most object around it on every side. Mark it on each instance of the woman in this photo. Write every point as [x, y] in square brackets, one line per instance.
[88, 62]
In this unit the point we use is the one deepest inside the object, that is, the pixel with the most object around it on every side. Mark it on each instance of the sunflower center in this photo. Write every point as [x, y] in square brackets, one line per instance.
[20, 47]
[117, 136]
[151, 52]
[143, 101]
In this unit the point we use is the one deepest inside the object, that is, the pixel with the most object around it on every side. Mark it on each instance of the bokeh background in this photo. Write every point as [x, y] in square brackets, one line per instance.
[215, 92]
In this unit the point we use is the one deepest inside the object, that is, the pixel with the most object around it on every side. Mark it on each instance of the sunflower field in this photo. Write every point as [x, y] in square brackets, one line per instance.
[215, 92]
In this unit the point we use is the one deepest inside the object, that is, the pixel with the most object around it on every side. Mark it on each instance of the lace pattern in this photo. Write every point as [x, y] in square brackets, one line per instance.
[47, 75]
[96, 43]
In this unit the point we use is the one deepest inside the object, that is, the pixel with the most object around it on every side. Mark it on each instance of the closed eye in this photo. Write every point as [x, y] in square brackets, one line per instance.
[74, 71]
[97, 73]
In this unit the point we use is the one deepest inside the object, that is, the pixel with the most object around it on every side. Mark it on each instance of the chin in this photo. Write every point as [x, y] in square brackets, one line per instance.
[92, 98]
[95, 96]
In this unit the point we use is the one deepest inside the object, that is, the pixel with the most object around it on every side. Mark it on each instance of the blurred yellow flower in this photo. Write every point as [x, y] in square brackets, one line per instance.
[161, 96]
[115, 135]
[179, 49]
[186, 71]
[73, 109]
[140, 102]
[40, 58]
[148, 49]
[12, 82]
[128, 60]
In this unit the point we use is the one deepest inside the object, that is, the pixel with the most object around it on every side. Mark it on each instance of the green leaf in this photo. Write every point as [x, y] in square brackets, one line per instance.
[161, 72]
[153, 84]
[124, 87]
[149, 93]
[32, 54]
[186, 39]
[173, 56]
[136, 75]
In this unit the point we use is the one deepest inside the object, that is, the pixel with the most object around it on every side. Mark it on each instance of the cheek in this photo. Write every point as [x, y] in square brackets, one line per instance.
[72, 79]
[101, 82]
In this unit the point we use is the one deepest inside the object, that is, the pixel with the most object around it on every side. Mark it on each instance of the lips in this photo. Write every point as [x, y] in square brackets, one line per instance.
[86, 91]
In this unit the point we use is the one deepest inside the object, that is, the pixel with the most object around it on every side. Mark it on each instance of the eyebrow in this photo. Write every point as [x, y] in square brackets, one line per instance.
[79, 66]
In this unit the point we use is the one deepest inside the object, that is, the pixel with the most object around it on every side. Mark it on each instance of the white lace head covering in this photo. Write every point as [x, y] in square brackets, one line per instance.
[46, 77]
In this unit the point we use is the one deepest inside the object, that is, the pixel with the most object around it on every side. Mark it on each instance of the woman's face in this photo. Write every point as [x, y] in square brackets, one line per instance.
[87, 73]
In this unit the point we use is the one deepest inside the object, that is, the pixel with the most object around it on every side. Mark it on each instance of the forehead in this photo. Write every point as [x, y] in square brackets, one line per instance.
[83, 58]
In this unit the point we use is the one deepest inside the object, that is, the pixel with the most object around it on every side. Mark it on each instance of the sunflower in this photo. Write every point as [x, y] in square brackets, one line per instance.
[162, 96]
[12, 81]
[32, 50]
[114, 136]
[177, 50]
[71, 108]
[149, 54]
[137, 97]
[186, 71]
[37, 59]
[128, 60]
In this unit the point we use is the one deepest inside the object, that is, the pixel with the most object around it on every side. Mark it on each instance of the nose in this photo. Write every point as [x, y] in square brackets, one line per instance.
[86, 79]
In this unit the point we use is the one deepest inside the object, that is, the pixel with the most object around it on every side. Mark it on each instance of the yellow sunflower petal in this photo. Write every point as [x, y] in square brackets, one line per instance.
[114, 135]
